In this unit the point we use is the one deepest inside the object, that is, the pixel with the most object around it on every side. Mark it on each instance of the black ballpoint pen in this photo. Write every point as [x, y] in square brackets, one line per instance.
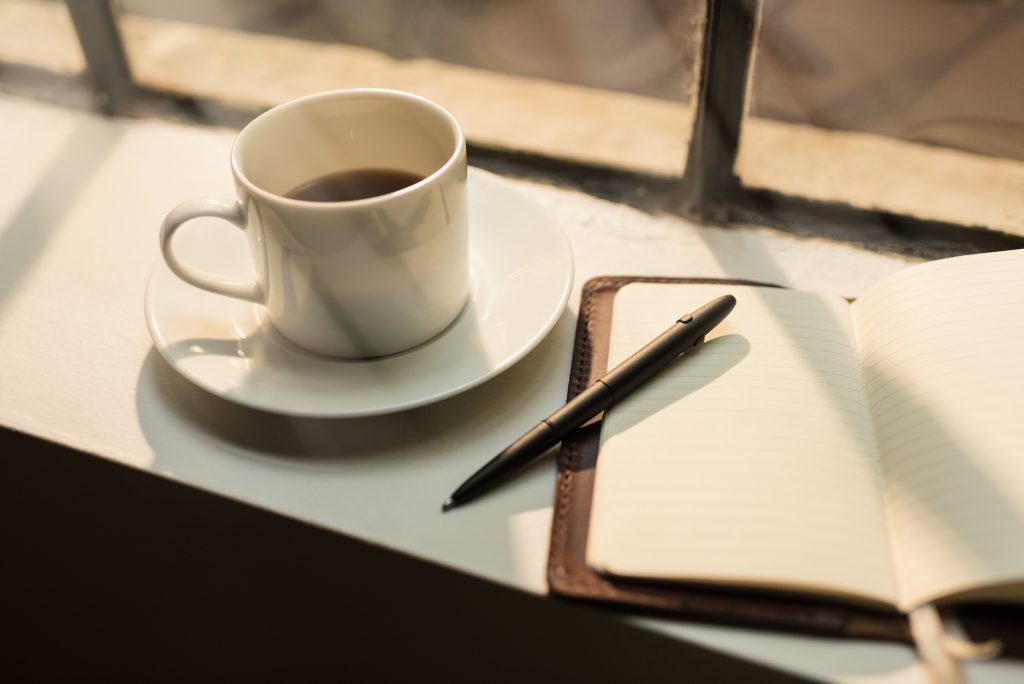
[616, 384]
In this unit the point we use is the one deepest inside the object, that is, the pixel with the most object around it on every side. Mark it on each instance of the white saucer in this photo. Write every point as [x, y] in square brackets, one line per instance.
[521, 274]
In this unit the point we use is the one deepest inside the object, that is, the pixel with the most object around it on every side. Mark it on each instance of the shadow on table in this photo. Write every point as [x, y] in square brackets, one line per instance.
[25, 234]
[381, 478]
[174, 414]
[168, 581]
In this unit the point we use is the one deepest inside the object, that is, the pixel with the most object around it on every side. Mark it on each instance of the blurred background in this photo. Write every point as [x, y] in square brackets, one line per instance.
[943, 72]
[914, 107]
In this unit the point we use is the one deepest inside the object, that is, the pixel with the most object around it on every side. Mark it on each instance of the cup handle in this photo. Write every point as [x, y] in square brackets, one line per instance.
[186, 211]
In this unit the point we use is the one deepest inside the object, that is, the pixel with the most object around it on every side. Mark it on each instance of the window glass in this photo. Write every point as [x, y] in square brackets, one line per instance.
[600, 82]
[37, 38]
[914, 107]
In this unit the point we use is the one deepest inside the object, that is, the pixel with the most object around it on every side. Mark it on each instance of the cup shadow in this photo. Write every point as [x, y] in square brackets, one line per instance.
[167, 402]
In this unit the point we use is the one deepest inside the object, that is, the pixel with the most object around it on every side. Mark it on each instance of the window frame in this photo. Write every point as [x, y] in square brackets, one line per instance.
[710, 190]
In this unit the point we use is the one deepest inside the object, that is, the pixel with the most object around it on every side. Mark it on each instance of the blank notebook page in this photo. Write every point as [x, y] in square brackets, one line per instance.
[751, 459]
[942, 346]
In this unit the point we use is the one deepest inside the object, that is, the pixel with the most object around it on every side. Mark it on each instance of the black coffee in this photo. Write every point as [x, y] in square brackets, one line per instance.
[352, 185]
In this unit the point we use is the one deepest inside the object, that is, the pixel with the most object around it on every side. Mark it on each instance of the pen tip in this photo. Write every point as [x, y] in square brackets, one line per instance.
[448, 505]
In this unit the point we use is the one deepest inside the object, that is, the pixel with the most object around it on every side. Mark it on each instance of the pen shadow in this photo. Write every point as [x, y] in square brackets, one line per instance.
[680, 378]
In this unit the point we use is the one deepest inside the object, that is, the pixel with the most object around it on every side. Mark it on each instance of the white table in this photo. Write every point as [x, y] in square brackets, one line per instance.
[83, 198]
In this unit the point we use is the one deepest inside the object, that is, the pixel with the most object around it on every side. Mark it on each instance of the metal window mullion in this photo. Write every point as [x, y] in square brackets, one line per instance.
[96, 27]
[710, 180]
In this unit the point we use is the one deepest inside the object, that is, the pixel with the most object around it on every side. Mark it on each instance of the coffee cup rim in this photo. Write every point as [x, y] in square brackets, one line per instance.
[453, 159]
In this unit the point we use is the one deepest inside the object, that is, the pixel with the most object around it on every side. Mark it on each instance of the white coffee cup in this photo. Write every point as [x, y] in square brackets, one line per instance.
[357, 278]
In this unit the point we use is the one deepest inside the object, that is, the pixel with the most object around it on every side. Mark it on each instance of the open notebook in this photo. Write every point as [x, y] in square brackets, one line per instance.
[871, 452]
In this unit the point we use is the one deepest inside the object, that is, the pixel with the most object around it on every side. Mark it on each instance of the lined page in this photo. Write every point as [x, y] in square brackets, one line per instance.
[942, 347]
[750, 460]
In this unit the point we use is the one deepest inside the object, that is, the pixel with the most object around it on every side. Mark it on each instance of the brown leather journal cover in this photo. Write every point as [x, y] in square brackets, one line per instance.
[570, 577]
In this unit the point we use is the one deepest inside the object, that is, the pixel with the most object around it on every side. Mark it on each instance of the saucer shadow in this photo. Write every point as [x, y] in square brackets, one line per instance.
[167, 403]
